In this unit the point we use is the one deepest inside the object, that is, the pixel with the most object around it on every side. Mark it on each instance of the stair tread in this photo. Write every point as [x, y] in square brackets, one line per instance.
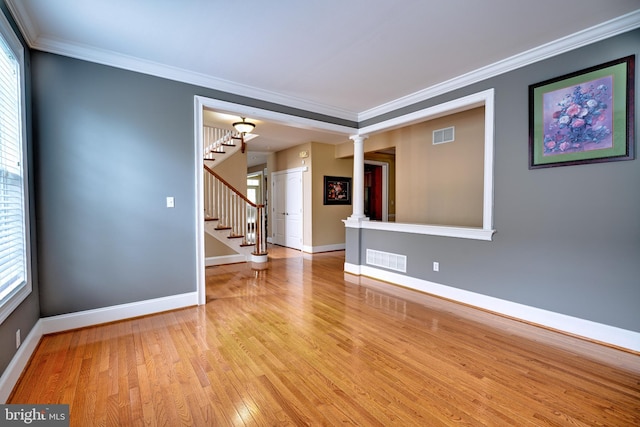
[210, 219]
[222, 228]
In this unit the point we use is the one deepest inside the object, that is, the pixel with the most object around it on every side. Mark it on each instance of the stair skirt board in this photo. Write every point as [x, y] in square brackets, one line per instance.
[226, 259]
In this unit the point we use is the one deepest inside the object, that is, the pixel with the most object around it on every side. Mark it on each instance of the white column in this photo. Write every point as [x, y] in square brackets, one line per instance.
[358, 178]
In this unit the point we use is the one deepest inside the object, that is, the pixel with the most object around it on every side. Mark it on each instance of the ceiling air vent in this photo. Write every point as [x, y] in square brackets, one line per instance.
[441, 136]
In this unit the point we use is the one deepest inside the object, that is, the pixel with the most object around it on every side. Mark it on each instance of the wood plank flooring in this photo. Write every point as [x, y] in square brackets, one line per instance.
[302, 343]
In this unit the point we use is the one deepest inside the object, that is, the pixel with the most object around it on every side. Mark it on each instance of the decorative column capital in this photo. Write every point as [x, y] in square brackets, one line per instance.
[358, 138]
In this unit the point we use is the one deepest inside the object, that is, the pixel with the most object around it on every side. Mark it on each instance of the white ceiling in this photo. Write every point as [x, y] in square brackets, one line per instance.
[345, 58]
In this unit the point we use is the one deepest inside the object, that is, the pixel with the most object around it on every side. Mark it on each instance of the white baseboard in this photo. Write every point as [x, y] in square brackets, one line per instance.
[580, 327]
[82, 319]
[225, 259]
[12, 373]
[325, 248]
[352, 268]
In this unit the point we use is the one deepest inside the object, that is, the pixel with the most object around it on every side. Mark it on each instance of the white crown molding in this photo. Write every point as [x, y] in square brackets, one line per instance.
[20, 15]
[131, 63]
[585, 37]
[599, 32]
[105, 57]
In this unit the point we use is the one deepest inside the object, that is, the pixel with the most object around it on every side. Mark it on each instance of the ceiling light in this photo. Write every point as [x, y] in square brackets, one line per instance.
[244, 126]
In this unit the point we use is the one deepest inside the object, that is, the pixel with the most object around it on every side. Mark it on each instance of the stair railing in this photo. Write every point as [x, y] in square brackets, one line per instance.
[234, 212]
[215, 140]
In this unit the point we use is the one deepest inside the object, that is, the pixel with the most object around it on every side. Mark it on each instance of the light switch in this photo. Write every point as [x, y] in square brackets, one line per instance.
[170, 202]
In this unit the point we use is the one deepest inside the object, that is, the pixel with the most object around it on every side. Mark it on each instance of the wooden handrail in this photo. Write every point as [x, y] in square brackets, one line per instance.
[232, 188]
[226, 215]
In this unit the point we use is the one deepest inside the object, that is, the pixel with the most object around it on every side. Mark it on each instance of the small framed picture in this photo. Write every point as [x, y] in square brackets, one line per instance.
[583, 117]
[337, 190]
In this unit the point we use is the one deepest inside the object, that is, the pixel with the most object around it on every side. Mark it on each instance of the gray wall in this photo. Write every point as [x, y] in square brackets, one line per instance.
[568, 238]
[111, 145]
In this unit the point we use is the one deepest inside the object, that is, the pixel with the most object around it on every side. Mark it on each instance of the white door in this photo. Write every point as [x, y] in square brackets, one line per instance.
[287, 209]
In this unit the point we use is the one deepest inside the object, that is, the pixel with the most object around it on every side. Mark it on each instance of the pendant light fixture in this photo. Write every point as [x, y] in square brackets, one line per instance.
[244, 126]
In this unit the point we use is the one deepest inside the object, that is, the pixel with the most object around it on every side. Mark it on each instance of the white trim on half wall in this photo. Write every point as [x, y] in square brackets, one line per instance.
[480, 99]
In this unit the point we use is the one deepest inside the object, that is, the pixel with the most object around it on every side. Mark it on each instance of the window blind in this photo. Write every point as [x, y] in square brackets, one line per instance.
[12, 213]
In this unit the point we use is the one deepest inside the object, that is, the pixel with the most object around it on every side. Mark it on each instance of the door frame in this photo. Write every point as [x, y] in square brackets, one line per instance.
[299, 171]
[201, 102]
[385, 187]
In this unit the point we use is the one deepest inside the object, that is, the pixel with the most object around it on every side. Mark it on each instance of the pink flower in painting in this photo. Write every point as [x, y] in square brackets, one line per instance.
[577, 123]
[573, 110]
[581, 118]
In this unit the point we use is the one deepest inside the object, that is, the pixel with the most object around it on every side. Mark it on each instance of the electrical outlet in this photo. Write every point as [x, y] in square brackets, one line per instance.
[171, 202]
[18, 338]
[436, 266]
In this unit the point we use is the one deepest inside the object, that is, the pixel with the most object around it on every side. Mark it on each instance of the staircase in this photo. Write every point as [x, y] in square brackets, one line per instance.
[219, 144]
[229, 216]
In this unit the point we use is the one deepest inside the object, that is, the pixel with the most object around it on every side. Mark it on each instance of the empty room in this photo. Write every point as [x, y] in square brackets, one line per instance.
[285, 213]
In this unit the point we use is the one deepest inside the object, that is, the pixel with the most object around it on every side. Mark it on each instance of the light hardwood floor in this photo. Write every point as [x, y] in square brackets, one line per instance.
[302, 343]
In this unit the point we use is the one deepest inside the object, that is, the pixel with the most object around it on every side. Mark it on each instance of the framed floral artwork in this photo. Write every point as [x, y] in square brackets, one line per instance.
[583, 117]
[337, 190]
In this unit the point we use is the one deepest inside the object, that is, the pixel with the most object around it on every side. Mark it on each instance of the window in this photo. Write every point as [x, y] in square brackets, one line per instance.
[15, 269]
[254, 189]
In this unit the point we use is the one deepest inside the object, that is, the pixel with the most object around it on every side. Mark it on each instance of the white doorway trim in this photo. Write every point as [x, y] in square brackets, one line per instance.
[297, 173]
[201, 102]
[199, 199]
[385, 187]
